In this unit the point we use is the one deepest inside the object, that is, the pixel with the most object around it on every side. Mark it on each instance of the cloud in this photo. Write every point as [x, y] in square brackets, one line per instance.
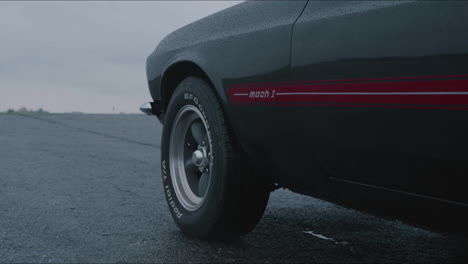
[85, 56]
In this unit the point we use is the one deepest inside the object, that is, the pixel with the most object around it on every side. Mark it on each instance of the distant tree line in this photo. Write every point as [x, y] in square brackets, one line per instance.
[25, 110]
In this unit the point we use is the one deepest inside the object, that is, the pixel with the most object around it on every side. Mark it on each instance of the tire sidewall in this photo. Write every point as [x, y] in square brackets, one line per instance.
[194, 91]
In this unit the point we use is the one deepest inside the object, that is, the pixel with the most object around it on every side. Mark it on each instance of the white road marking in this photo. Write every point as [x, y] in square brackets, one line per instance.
[325, 238]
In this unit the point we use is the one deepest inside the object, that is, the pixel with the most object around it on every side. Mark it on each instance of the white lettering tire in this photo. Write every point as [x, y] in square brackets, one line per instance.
[209, 186]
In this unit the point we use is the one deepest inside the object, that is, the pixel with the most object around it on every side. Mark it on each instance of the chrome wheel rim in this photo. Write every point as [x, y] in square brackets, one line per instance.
[190, 157]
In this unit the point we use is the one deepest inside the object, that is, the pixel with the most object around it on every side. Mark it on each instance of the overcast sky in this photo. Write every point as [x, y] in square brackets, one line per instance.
[85, 56]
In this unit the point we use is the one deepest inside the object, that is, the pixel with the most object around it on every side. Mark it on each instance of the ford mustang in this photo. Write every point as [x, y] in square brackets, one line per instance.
[362, 103]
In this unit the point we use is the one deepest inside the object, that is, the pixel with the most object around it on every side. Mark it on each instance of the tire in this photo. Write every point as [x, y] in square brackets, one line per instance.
[232, 199]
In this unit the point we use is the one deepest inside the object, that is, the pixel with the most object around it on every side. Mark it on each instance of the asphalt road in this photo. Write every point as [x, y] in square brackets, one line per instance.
[87, 188]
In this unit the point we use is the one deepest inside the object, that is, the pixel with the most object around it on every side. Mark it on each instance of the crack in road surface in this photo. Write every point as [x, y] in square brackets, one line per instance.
[91, 131]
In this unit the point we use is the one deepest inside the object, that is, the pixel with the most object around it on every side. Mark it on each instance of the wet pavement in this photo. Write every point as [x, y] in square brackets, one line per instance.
[87, 188]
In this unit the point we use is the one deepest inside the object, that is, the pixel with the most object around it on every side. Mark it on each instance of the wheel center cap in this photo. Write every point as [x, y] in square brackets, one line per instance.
[198, 158]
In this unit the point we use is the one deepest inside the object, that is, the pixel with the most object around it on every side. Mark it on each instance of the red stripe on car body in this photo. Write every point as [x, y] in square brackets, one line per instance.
[440, 93]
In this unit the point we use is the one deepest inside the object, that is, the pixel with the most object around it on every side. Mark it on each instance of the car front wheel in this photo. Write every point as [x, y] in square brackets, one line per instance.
[209, 186]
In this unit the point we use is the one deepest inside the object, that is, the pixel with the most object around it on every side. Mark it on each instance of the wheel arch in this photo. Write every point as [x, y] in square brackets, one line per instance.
[175, 74]
[178, 71]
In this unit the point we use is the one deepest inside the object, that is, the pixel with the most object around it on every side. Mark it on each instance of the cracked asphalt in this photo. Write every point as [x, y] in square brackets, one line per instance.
[87, 188]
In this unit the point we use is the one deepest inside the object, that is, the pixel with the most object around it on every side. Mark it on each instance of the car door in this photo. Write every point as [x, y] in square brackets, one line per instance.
[383, 88]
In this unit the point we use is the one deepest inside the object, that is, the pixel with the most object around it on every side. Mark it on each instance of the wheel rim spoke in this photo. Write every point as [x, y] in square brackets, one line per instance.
[198, 131]
[203, 184]
[190, 142]
[189, 166]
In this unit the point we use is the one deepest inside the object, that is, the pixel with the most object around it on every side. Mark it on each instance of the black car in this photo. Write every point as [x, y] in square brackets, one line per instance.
[363, 103]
